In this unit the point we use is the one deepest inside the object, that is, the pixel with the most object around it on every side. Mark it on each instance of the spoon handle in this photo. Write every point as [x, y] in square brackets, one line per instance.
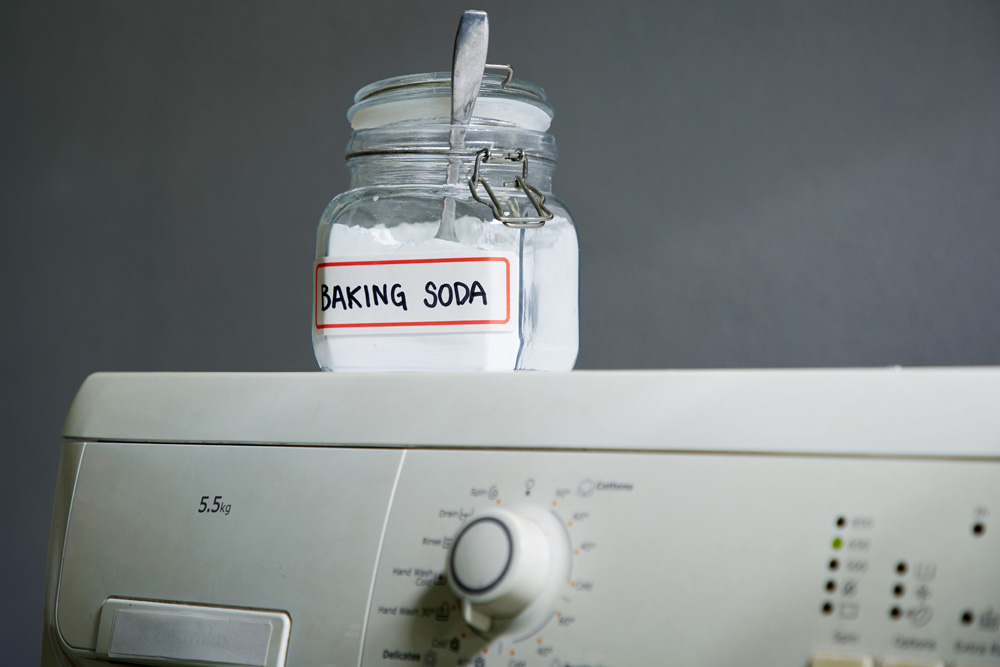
[468, 62]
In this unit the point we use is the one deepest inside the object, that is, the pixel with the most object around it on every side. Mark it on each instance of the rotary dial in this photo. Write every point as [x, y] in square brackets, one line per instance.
[503, 564]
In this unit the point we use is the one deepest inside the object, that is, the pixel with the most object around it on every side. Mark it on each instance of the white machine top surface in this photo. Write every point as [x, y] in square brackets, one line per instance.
[937, 412]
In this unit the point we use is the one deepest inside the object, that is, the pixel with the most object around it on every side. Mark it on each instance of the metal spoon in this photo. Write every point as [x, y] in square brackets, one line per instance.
[467, 65]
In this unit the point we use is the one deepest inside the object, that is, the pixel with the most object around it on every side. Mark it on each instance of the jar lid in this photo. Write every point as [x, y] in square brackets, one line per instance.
[502, 100]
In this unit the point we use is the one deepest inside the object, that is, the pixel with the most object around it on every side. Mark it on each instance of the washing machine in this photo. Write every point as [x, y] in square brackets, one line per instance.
[710, 518]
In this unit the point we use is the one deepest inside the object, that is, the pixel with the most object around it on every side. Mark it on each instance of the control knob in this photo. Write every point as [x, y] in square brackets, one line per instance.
[498, 566]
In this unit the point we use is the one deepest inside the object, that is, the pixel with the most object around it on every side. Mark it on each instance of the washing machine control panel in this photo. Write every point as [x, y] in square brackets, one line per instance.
[568, 558]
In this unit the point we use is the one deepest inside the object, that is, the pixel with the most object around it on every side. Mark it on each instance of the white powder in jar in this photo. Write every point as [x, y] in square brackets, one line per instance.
[547, 304]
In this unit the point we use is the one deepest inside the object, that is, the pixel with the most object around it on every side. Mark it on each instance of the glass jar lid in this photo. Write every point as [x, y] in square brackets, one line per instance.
[503, 100]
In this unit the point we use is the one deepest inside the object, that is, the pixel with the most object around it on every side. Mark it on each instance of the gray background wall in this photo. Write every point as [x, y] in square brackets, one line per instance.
[755, 184]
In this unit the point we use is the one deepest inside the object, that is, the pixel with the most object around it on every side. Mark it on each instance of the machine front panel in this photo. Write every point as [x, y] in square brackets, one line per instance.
[666, 557]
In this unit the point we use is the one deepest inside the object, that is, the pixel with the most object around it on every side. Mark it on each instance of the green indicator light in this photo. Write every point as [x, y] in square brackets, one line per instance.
[837, 543]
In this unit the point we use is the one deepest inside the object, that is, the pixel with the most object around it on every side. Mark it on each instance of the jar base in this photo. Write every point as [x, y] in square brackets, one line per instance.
[435, 352]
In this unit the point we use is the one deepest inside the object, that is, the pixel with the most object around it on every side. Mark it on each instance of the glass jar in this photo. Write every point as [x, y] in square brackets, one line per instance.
[448, 252]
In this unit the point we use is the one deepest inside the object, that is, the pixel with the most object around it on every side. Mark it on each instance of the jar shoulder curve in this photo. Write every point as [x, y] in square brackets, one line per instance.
[355, 196]
[558, 207]
[342, 202]
[352, 198]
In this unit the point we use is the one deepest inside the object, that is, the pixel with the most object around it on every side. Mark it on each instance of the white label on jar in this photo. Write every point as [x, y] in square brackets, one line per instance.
[430, 294]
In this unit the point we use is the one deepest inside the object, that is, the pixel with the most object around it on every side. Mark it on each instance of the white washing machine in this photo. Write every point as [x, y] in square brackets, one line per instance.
[838, 518]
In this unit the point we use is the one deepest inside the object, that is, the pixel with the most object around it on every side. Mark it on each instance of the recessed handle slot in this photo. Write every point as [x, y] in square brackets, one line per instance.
[161, 633]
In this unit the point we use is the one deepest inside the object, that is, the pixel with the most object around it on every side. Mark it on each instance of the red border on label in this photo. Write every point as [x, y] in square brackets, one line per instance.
[409, 324]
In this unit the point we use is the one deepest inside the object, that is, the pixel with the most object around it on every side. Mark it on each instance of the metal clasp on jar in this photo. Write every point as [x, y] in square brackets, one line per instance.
[533, 194]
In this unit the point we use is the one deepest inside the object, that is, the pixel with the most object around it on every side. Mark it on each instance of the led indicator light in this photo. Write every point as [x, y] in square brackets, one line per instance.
[837, 543]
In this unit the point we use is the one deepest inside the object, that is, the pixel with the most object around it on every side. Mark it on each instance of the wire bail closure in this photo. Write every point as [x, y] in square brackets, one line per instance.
[533, 194]
[506, 69]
